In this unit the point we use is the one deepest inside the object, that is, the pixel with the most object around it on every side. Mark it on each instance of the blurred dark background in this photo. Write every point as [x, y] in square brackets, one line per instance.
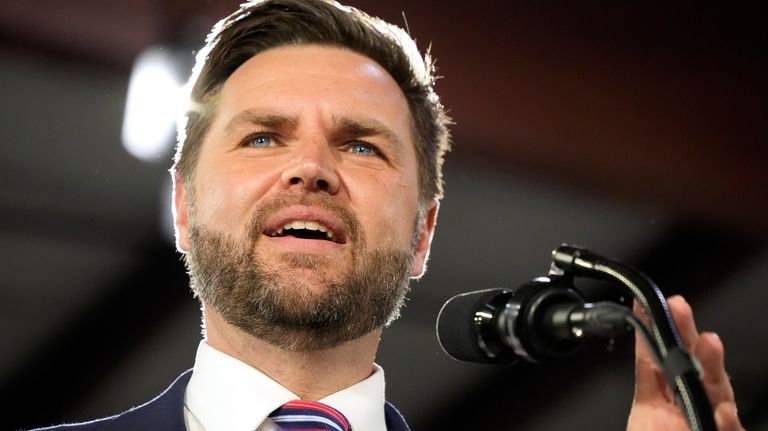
[634, 128]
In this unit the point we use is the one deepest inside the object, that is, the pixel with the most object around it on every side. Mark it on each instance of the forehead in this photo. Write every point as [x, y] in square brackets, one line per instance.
[336, 81]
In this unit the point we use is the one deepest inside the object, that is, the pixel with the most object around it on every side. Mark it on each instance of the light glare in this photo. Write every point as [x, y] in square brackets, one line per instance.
[153, 102]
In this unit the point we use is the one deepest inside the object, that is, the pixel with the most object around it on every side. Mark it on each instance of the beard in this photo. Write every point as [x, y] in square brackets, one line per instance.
[279, 305]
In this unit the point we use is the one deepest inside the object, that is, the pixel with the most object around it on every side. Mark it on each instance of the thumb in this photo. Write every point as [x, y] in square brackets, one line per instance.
[649, 381]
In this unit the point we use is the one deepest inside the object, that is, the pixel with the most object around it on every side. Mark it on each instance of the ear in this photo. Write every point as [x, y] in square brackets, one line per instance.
[421, 253]
[180, 214]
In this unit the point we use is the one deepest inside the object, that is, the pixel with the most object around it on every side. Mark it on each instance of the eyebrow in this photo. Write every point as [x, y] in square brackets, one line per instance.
[345, 125]
[271, 120]
[367, 127]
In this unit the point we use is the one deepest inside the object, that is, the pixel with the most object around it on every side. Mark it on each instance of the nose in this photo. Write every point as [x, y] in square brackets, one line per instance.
[314, 169]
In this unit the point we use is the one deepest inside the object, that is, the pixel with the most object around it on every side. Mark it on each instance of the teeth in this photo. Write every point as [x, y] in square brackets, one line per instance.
[304, 224]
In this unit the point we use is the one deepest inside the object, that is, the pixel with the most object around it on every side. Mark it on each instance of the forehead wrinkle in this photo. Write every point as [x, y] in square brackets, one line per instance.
[270, 120]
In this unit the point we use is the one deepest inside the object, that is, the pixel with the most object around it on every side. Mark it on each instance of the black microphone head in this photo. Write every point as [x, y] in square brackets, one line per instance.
[466, 330]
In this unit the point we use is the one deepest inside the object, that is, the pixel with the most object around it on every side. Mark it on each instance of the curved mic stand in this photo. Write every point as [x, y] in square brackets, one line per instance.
[678, 367]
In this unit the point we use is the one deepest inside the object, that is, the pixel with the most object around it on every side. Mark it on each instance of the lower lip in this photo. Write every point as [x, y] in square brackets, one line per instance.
[291, 244]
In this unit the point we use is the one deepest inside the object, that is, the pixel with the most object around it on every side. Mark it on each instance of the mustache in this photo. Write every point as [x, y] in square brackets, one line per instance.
[349, 221]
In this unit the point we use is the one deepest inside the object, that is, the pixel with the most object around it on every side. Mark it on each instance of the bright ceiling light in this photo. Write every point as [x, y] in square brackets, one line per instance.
[153, 103]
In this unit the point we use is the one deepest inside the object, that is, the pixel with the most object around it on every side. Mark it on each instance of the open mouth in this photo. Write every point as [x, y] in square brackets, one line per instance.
[304, 229]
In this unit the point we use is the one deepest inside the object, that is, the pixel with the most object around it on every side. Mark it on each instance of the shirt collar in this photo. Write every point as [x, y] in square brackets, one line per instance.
[362, 403]
[227, 394]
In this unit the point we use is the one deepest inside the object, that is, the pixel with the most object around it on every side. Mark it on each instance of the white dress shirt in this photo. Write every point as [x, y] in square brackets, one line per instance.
[225, 394]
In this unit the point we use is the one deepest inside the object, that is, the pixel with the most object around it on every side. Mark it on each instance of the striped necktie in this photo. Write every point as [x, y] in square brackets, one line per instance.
[301, 415]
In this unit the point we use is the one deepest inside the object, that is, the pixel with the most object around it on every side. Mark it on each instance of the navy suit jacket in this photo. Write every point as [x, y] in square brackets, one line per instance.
[166, 413]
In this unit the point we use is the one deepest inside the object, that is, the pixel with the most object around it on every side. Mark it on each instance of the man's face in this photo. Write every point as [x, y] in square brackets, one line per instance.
[305, 201]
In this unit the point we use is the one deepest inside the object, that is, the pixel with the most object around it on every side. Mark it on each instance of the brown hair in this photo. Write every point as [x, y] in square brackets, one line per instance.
[260, 25]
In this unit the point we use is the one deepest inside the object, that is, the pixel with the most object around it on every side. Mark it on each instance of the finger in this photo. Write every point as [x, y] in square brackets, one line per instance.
[726, 418]
[682, 314]
[639, 312]
[710, 353]
[650, 384]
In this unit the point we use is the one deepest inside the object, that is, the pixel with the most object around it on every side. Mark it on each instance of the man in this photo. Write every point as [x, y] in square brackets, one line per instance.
[307, 182]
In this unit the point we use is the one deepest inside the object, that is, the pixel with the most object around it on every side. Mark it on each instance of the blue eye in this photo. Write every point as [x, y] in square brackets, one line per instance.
[259, 141]
[363, 149]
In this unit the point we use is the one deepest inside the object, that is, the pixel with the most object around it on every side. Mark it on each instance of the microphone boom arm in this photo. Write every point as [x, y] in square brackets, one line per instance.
[679, 368]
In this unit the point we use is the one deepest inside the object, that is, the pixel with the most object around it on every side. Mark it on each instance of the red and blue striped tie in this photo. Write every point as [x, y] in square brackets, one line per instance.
[301, 415]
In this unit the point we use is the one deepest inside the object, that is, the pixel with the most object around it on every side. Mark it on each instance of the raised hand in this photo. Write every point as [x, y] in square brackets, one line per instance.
[653, 408]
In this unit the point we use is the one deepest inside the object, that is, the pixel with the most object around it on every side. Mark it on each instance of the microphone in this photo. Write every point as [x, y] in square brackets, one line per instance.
[543, 320]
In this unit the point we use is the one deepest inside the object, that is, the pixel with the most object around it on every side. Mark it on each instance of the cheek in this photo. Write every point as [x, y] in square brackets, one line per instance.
[224, 200]
[392, 208]
[215, 205]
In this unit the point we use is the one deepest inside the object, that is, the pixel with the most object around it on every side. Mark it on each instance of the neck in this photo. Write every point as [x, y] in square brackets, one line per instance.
[311, 375]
